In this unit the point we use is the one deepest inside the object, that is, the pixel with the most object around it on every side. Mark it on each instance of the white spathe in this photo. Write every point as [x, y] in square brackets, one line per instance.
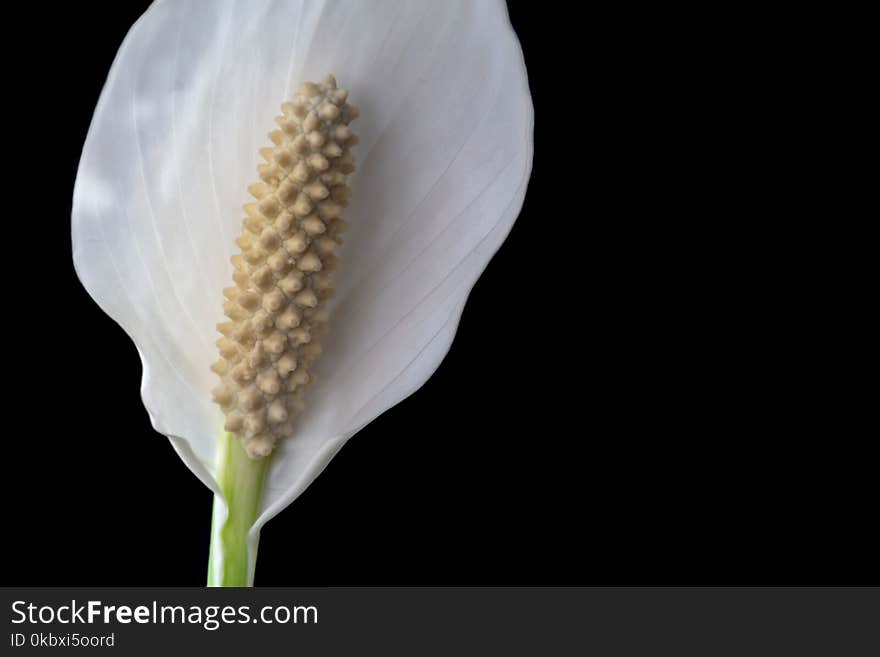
[444, 158]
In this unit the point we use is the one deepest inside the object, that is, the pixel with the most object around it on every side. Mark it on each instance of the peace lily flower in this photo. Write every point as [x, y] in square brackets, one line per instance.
[442, 163]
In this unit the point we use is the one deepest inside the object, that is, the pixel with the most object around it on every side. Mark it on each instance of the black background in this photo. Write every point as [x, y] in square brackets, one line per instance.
[658, 412]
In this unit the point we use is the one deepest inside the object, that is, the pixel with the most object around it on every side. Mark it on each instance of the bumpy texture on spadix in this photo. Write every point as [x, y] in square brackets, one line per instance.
[283, 273]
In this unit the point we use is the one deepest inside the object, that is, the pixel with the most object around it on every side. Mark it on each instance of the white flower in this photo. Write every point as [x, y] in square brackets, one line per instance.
[442, 166]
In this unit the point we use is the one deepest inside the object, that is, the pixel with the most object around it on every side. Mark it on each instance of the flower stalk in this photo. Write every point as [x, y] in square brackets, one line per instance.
[241, 480]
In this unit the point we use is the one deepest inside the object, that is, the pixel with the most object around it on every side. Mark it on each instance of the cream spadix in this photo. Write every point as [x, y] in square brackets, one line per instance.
[283, 273]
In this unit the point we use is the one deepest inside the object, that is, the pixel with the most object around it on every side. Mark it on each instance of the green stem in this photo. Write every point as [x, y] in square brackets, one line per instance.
[241, 480]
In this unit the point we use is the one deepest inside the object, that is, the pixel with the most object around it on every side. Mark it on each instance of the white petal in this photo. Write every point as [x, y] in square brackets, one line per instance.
[445, 154]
